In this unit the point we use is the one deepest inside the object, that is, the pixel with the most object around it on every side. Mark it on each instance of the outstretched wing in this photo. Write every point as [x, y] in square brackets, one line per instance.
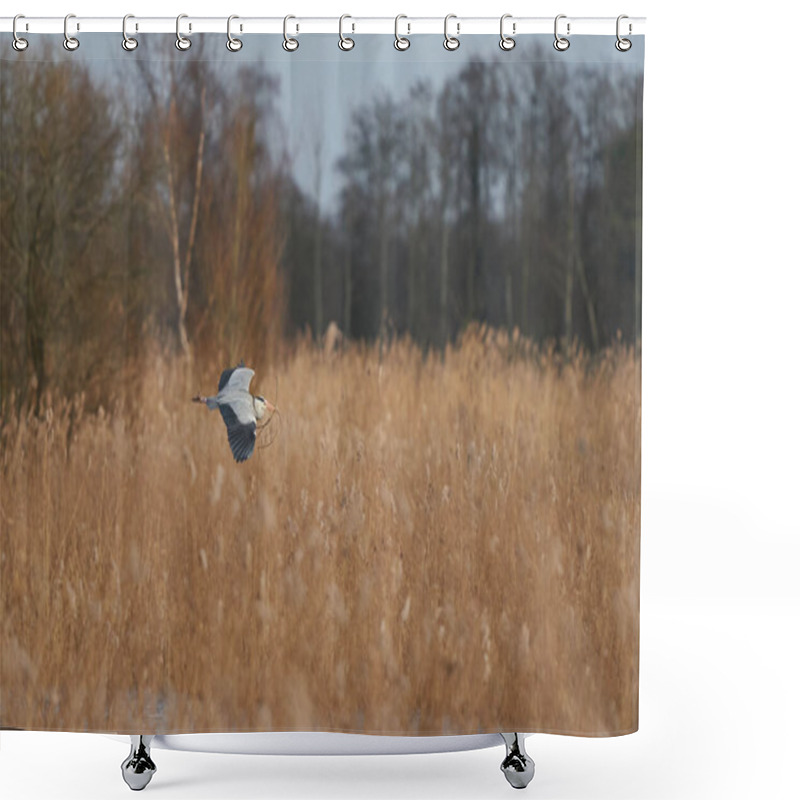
[240, 420]
[242, 439]
[238, 383]
[226, 376]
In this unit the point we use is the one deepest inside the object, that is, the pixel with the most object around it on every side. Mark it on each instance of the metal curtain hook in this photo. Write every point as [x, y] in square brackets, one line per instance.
[128, 42]
[400, 42]
[181, 41]
[233, 44]
[19, 44]
[289, 44]
[561, 43]
[70, 42]
[345, 43]
[507, 42]
[623, 45]
[451, 42]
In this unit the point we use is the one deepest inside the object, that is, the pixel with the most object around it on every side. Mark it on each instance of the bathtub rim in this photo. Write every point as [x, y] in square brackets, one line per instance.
[323, 743]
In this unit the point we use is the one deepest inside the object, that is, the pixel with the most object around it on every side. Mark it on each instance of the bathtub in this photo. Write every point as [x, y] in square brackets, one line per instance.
[139, 767]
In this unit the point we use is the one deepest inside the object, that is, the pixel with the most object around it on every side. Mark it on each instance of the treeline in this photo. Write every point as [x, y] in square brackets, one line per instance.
[161, 207]
[509, 196]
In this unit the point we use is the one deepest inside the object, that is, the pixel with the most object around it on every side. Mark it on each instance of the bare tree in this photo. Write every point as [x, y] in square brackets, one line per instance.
[445, 158]
[318, 229]
[59, 204]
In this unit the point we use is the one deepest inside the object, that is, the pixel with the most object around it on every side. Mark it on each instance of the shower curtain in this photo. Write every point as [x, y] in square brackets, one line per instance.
[403, 288]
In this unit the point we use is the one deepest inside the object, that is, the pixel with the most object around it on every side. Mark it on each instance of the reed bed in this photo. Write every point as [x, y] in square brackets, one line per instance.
[430, 546]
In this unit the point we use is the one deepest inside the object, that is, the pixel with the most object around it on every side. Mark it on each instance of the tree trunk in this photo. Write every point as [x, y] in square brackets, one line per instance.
[348, 271]
[475, 216]
[587, 298]
[443, 282]
[577, 263]
[181, 266]
[383, 271]
[319, 320]
[411, 268]
[318, 313]
[569, 277]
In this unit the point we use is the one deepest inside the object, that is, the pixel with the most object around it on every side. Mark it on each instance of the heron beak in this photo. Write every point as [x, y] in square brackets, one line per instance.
[270, 408]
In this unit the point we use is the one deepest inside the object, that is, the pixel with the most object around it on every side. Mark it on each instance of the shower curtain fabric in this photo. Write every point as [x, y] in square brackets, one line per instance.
[404, 289]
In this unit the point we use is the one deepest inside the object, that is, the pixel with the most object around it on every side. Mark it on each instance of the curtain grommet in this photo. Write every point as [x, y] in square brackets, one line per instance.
[561, 43]
[622, 44]
[346, 43]
[71, 43]
[129, 43]
[451, 43]
[401, 43]
[182, 42]
[18, 43]
[507, 42]
[233, 44]
[290, 44]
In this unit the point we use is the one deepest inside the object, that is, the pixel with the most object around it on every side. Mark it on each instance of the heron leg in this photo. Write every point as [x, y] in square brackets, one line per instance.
[517, 766]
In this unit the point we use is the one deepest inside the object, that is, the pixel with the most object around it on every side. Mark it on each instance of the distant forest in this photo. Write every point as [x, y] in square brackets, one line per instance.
[163, 209]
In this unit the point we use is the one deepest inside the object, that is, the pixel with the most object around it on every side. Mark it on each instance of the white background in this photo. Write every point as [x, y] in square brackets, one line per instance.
[720, 607]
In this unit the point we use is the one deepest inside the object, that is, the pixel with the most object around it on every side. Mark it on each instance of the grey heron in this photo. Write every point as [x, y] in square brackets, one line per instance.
[240, 410]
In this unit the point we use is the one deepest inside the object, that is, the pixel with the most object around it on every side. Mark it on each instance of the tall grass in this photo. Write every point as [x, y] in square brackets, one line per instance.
[430, 546]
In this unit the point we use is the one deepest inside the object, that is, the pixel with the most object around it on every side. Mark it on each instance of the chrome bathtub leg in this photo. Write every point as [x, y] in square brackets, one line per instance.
[138, 768]
[517, 766]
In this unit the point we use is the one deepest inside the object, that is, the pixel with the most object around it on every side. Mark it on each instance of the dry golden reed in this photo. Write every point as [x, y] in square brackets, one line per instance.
[440, 545]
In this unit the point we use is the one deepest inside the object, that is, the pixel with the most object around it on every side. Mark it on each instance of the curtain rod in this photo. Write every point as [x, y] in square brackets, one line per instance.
[298, 25]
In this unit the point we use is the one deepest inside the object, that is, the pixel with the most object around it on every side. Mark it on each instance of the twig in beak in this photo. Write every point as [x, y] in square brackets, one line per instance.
[273, 410]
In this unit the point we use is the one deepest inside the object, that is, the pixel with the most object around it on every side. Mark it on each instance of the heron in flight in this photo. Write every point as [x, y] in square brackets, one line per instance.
[240, 410]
